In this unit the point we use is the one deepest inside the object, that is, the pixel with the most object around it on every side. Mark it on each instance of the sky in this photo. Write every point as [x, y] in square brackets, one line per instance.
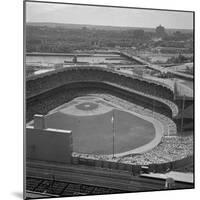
[108, 16]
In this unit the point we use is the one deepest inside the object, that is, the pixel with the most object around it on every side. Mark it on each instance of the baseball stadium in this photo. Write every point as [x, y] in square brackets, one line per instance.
[106, 124]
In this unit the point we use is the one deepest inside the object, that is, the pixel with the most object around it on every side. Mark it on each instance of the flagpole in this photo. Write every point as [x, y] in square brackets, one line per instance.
[113, 129]
[175, 90]
[153, 102]
[183, 106]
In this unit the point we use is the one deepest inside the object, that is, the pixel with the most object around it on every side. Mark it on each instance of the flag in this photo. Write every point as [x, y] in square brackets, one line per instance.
[112, 119]
[113, 130]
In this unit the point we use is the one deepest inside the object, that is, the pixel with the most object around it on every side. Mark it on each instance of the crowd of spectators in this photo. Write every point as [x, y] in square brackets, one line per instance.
[54, 81]
[61, 77]
[170, 149]
[43, 103]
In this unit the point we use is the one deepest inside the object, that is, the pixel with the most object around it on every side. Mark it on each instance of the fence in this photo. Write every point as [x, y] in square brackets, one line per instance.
[135, 169]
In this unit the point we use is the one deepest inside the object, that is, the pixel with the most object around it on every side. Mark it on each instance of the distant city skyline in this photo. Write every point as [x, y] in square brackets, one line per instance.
[107, 16]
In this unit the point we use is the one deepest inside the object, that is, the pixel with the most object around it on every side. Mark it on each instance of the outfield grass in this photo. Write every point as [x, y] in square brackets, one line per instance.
[93, 134]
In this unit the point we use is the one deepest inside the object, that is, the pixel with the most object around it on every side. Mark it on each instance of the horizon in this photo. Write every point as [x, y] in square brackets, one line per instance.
[139, 27]
[38, 12]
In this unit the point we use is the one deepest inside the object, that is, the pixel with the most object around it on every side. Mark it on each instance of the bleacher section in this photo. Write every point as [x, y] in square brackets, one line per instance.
[44, 82]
